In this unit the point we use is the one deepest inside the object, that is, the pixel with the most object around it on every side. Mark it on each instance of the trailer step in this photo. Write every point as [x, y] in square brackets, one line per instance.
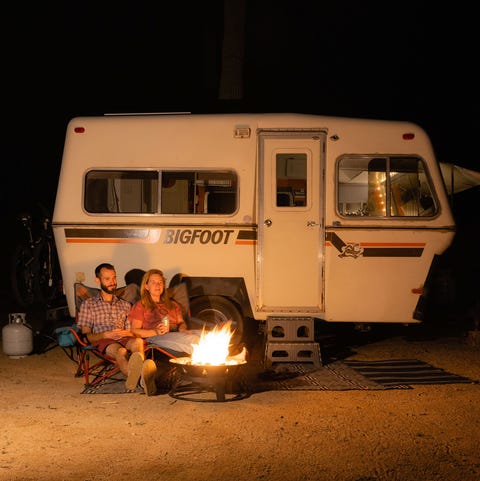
[293, 352]
[291, 339]
[290, 329]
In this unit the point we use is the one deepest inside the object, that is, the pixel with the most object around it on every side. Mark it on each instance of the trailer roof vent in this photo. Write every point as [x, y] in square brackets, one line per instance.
[242, 133]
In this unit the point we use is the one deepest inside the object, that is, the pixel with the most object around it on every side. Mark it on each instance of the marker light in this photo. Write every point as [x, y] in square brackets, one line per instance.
[408, 136]
[79, 130]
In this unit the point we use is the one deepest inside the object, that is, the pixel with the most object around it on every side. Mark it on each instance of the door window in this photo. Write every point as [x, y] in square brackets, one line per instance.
[291, 179]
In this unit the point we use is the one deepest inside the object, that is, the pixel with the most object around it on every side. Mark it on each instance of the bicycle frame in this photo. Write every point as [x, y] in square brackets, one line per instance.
[35, 271]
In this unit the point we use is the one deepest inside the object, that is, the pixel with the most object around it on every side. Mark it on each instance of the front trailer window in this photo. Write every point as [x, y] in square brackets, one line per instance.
[164, 192]
[384, 186]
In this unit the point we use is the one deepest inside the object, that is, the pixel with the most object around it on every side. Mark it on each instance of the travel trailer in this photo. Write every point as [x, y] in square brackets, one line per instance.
[263, 215]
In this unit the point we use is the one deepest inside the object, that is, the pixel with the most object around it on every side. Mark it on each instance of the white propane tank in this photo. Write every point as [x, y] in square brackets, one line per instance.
[17, 337]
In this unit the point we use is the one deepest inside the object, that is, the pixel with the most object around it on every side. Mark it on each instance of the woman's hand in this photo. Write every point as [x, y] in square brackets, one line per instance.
[161, 329]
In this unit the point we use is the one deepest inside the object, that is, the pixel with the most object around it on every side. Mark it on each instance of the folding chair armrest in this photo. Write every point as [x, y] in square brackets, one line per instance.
[79, 337]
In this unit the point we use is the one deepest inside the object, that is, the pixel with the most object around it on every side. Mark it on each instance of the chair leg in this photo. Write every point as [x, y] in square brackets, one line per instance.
[86, 371]
[100, 370]
[81, 364]
[105, 372]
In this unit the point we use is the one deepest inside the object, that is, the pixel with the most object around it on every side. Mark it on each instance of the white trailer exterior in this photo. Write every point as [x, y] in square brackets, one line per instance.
[262, 214]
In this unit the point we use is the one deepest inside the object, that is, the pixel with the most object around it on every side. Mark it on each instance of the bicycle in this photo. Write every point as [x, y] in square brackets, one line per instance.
[35, 270]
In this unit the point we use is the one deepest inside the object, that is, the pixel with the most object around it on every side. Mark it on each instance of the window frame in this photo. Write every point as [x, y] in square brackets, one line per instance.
[214, 181]
[363, 160]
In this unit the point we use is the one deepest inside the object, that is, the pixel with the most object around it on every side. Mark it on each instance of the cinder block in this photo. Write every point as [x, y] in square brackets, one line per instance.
[293, 352]
[290, 329]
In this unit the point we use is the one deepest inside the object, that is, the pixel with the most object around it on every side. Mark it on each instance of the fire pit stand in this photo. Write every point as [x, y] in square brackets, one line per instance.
[207, 383]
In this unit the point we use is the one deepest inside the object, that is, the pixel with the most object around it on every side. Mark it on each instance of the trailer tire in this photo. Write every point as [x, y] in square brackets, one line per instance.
[212, 311]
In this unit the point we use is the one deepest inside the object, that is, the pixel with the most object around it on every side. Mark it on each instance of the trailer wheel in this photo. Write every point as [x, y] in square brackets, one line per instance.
[210, 311]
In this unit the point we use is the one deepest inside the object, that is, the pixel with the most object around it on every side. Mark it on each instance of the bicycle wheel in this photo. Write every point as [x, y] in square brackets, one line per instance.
[47, 285]
[23, 276]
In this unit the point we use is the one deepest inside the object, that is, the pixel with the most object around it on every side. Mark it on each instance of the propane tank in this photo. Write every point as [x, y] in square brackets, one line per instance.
[17, 336]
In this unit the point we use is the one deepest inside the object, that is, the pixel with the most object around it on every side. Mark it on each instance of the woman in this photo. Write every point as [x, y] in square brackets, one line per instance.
[159, 319]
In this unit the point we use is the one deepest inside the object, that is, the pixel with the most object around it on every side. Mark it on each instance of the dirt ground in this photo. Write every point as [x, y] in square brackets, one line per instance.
[52, 432]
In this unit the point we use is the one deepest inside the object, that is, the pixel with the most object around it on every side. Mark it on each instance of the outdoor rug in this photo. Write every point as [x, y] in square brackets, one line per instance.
[113, 385]
[396, 372]
[337, 376]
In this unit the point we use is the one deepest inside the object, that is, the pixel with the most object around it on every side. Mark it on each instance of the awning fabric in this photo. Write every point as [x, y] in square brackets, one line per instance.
[458, 179]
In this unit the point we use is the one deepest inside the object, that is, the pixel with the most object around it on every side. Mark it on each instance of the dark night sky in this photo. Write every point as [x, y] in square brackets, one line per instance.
[394, 60]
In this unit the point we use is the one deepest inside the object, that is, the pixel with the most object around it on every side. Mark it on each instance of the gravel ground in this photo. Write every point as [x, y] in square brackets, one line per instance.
[52, 432]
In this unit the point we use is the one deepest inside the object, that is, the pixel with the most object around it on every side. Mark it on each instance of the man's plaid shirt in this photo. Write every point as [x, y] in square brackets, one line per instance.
[101, 316]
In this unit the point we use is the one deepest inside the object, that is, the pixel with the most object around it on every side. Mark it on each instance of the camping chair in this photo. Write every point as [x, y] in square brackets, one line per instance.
[102, 368]
[94, 365]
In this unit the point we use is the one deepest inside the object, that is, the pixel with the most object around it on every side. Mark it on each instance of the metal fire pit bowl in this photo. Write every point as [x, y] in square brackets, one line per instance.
[197, 382]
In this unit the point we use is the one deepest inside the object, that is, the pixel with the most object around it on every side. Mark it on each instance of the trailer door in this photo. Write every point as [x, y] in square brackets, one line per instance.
[290, 240]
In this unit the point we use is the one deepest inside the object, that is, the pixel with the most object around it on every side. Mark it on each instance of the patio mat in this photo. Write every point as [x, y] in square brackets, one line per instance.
[337, 376]
[395, 372]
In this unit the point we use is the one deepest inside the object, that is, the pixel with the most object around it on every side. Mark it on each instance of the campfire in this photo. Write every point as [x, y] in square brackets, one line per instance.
[210, 366]
[212, 349]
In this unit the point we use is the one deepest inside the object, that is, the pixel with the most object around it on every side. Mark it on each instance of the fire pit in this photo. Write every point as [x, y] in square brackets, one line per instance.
[209, 370]
[197, 382]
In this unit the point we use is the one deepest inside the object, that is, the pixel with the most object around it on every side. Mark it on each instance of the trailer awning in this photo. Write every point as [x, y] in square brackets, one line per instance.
[458, 179]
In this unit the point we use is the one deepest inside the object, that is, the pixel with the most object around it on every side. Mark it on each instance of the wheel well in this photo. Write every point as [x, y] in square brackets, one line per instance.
[232, 288]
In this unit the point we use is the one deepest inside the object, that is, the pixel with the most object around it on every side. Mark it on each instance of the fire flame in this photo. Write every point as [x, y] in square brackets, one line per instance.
[212, 348]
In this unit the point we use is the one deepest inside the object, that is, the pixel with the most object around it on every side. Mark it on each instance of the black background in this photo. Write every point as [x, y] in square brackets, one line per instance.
[412, 61]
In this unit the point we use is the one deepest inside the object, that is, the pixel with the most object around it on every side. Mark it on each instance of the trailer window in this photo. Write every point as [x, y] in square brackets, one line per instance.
[199, 192]
[384, 186]
[120, 191]
[182, 192]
